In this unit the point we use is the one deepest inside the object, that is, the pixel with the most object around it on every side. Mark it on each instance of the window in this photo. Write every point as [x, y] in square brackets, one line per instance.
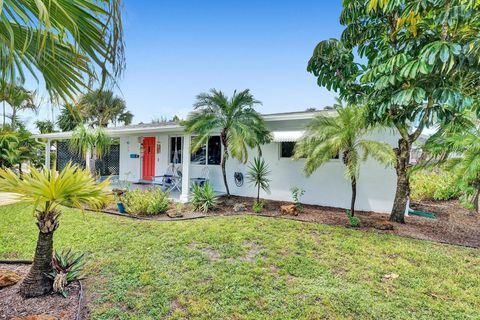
[200, 156]
[214, 150]
[286, 149]
[211, 153]
[176, 149]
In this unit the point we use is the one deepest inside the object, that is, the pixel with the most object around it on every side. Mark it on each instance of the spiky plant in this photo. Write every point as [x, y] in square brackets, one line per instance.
[257, 175]
[47, 191]
[67, 267]
[344, 134]
[203, 198]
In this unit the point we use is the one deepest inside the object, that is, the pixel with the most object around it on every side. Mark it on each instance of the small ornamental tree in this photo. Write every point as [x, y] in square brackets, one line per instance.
[419, 65]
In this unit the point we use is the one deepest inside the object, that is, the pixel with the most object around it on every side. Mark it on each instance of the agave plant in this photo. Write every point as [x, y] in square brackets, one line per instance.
[67, 267]
[46, 191]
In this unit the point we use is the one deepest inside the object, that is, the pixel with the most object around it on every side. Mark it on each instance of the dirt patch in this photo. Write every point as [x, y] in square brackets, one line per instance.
[454, 224]
[211, 253]
[13, 305]
[253, 250]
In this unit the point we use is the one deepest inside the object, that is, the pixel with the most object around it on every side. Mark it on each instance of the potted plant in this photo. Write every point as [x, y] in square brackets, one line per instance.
[118, 198]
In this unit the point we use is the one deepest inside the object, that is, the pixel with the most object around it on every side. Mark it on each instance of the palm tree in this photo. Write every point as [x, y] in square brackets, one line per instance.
[70, 117]
[103, 107]
[91, 144]
[8, 144]
[47, 191]
[64, 42]
[45, 126]
[20, 99]
[257, 175]
[327, 137]
[239, 124]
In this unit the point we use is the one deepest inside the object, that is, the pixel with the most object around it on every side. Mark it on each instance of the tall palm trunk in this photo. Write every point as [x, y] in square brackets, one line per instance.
[36, 283]
[223, 137]
[14, 115]
[403, 185]
[354, 196]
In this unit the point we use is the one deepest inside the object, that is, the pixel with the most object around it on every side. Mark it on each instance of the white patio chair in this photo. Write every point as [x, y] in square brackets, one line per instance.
[204, 176]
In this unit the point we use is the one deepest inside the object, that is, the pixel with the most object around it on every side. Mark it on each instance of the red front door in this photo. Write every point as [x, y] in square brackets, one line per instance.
[148, 166]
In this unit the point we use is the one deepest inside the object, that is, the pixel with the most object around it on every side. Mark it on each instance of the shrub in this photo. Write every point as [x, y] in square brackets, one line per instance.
[151, 201]
[353, 221]
[203, 197]
[67, 267]
[257, 206]
[297, 193]
[433, 185]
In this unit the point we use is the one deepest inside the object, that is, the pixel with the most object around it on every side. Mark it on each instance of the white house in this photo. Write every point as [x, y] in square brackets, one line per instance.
[148, 150]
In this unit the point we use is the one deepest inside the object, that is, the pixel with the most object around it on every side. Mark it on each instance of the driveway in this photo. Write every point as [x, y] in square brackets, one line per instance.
[8, 198]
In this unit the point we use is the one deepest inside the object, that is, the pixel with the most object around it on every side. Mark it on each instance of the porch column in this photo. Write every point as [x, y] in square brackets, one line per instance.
[185, 169]
[48, 147]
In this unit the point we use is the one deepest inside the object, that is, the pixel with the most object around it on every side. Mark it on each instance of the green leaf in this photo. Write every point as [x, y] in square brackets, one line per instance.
[444, 53]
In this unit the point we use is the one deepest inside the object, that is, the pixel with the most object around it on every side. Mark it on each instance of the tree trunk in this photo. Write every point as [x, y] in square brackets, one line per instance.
[354, 196]
[14, 115]
[475, 200]
[224, 172]
[93, 168]
[36, 283]
[403, 185]
[258, 193]
[223, 137]
[4, 110]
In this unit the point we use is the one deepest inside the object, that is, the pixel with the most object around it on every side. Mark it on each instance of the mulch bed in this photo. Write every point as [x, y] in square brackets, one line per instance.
[13, 305]
[454, 224]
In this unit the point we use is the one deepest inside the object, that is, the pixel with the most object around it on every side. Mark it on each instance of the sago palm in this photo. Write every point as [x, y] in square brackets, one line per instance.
[47, 191]
[342, 135]
[240, 126]
[91, 144]
[64, 42]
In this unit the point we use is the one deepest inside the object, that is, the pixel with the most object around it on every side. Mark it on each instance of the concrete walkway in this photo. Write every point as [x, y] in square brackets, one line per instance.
[8, 198]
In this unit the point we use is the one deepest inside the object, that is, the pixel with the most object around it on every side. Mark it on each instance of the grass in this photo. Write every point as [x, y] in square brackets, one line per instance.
[254, 268]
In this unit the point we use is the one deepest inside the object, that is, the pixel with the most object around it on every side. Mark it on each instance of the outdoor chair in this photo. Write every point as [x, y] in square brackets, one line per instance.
[171, 180]
[203, 177]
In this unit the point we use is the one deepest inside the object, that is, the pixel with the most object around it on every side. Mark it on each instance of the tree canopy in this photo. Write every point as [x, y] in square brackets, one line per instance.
[418, 65]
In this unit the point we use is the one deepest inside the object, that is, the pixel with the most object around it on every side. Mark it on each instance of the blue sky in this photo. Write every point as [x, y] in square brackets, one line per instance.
[177, 49]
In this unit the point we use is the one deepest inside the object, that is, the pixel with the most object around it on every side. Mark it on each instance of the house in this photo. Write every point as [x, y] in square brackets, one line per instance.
[148, 150]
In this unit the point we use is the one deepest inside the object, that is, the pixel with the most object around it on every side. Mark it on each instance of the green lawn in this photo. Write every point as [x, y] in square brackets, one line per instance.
[253, 268]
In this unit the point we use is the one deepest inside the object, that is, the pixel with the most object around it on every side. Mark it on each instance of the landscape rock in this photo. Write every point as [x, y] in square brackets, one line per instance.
[37, 317]
[8, 278]
[383, 225]
[289, 209]
[239, 207]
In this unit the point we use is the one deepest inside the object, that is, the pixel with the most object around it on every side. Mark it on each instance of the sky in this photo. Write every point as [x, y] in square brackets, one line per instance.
[178, 49]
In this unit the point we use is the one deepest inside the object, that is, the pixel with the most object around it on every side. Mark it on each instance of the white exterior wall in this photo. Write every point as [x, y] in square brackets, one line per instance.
[327, 186]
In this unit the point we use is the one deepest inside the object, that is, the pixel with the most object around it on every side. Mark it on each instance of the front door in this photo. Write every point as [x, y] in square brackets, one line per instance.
[148, 166]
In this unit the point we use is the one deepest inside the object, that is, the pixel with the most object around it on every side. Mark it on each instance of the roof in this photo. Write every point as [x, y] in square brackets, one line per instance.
[170, 126]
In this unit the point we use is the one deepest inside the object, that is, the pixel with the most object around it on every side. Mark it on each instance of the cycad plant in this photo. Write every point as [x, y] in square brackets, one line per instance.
[240, 126]
[47, 191]
[342, 135]
[91, 144]
[257, 175]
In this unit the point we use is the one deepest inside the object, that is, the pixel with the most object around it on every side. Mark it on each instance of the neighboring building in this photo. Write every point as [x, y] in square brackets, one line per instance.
[148, 150]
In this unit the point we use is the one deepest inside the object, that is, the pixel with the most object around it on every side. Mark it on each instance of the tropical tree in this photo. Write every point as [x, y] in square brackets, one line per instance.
[70, 117]
[257, 175]
[240, 126]
[20, 99]
[64, 42]
[91, 144]
[45, 126]
[8, 144]
[418, 63]
[47, 191]
[103, 107]
[345, 134]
